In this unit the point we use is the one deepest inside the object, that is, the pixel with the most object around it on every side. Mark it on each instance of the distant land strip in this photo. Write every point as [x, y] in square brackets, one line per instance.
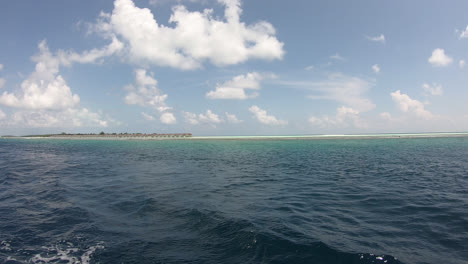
[175, 136]
[103, 135]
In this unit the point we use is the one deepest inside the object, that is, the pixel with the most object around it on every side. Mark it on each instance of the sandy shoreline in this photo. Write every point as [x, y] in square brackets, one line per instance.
[300, 137]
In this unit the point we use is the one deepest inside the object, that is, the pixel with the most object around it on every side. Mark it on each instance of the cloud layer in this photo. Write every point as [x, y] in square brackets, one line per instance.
[344, 89]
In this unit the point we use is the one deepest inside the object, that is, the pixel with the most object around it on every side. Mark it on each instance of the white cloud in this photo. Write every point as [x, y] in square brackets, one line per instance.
[236, 88]
[439, 58]
[337, 57]
[90, 56]
[411, 106]
[191, 118]
[348, 90]
[380, 38]
[208, 118]
[145, 92]
[147, 117]
[46, 99]
[1, 67]
[231, 118]
[345, 117]
[376, 68]
[309, 68]
[53, 95]
[263, 117]
[44, 89]
[160, 2]
[461, 64]
[434, 89]
[71, 117]
[168, 118]
[154, 2]
[2, 82]
[195, 38]
[2, 115]
[386, 116]
[464, 33]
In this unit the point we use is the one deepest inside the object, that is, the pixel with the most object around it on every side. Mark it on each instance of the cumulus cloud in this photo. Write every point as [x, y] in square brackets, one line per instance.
[434, 89]
[196, 37]
[209, 118]
[71, 117]
[376, 68]
[231, 118]
[160, 2]
[45, 99]
[90, 56]
[386, 116]
[236, 88]
[2, 115]
[380, 38]
[439, 58]
[147, 117]
[411, 106]
[344, 89]
[191, 118]
[2, 81]
[168, 118]
[461, 64]
[263, 117]
[337, 56]
[464, 33]
[145, 92]
[44, 89]
[52, 95]
[345, 117]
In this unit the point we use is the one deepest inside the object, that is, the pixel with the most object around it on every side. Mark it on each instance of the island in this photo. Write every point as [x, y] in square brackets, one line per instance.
[102, 135]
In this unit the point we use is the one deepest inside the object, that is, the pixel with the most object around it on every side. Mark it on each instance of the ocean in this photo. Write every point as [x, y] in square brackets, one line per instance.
[374, 200]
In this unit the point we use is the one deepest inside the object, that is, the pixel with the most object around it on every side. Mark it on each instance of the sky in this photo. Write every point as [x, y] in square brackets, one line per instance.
[232, 67]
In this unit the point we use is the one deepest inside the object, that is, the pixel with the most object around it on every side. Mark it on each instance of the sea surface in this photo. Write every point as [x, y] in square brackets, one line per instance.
[234, 201]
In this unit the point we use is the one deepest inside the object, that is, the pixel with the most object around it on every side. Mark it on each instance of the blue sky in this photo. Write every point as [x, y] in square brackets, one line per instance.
[230, 67]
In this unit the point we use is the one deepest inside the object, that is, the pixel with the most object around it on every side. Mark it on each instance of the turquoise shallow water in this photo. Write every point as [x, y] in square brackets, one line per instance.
[234, 201]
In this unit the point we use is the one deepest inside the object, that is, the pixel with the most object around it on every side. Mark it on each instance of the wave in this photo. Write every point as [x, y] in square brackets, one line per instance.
[63, 252]
[205, 237]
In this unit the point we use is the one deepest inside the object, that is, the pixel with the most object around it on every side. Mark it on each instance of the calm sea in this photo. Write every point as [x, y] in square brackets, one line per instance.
[234, 201]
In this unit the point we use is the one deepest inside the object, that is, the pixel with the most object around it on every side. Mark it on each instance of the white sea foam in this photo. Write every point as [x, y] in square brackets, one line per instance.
[85, 258]
[5, 246]
[70, 255]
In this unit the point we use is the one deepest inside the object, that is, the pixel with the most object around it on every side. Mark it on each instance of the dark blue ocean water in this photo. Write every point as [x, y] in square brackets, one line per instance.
[234, 201]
